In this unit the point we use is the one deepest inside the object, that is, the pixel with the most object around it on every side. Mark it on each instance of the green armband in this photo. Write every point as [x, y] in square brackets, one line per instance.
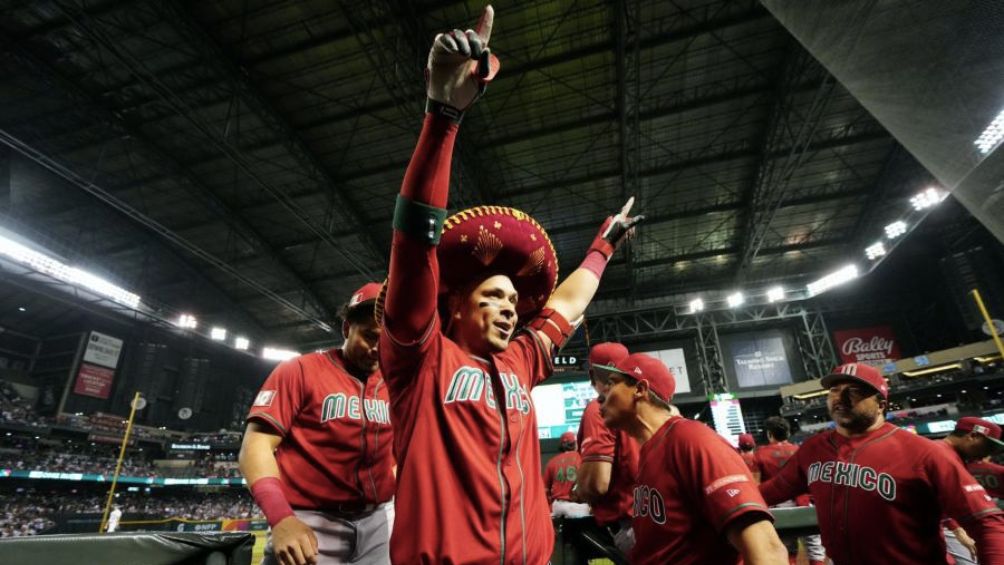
[420, 221]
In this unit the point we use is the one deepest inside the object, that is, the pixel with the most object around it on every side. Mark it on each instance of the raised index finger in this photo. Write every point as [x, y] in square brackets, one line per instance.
[484, 27]
[627, 207]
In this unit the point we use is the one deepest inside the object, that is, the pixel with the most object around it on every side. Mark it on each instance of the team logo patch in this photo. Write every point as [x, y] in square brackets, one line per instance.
[732, 492]
[724, 481]
[264, 398]
[972, 488]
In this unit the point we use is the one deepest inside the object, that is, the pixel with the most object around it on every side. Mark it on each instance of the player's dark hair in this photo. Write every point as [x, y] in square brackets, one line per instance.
[958, 433]
[357, 315]
[777, 427]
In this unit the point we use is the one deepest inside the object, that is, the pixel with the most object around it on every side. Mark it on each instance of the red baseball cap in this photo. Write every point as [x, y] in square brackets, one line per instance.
[606, 355]
[859, 372]
[568, 437]
[972, 424]
[746, 440]
[366, 293]
[641, 367]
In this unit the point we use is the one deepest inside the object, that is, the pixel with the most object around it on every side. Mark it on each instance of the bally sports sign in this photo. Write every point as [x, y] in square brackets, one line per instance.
[875, 346]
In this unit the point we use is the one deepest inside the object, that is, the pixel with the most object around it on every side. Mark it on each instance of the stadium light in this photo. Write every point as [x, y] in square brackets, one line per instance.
[241, 343]
[836, 278]
[51, 267]
[187, 321]
[735, 299]
[219, 334]
[928, 198]
[696, 305]
[992, 135]
[775, 293]
[275, 354]
[875, 250]
[895, 229]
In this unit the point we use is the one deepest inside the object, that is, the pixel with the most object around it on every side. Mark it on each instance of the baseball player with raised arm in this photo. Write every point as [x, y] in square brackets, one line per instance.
[462, 347]
[880, 491]
[559, 479]
[695, 501]
[318, 451]
[609, 457]
[971, 440]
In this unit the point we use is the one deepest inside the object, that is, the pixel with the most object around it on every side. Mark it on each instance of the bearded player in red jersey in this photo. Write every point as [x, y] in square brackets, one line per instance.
[559, 479]
[462, 348]
[695, 501]
[609, 457]
[880, 492]
[318, 450]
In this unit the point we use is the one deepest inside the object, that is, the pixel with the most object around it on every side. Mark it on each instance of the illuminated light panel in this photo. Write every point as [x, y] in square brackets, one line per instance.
[56, 269]
[775, 293]
[735, 299]
[219, 334]
[992, 135]
[187, 321]
[696, 305]
[836, 278]
[275, 354]
[875, 251]
[895, 229]
[929, 198]
[242, 343]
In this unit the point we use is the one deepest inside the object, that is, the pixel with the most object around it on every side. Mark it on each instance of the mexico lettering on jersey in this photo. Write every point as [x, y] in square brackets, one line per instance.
[560, 475]
[888, 484]
[597, 442]
[337, 444]
[468, 484]
[691, 485]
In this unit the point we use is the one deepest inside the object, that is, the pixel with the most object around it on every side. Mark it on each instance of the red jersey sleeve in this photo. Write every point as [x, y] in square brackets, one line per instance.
[598, 441]
[281, 398]
[409, 316]
[789, 482]
[964, 499]
[718, 479]
[531, 353]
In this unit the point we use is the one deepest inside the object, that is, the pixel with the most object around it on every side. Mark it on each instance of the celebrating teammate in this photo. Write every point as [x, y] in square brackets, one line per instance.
[695, 501]
[462, 348]
[880, 491]
[559, 479]
[609, 457]
[318, 450]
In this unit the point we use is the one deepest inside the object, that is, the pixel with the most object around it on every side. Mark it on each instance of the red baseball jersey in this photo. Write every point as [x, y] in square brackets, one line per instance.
[888, 484]
[771, 457]
[560, 474]
[469, 489]
[749, 458]
[599, 443]
[691, 485]
[337, 441]
[990, 475]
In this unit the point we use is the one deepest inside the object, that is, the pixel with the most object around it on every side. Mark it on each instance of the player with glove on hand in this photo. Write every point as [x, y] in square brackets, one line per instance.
[462, 347]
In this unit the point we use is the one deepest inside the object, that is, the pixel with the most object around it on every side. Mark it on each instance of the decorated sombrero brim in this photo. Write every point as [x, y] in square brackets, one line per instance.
[490, 240]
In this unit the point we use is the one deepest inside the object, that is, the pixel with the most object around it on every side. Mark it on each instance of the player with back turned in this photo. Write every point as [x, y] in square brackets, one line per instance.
[471, 319]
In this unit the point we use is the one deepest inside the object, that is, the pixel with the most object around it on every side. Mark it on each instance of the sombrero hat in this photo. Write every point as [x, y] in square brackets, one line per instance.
[496, 240]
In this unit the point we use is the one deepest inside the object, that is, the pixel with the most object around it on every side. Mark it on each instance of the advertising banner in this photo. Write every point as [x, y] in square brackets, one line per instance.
[103, 350]
[760, 361]
[876, 345]
[94, 381]
[674, 359]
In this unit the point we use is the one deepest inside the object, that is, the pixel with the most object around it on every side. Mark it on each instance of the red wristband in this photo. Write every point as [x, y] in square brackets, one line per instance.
[267, 492]
[595, 262]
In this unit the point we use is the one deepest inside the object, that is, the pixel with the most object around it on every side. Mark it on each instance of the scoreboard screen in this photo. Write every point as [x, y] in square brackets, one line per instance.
[560, 406]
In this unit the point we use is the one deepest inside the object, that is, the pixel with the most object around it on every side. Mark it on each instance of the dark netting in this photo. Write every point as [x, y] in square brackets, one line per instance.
[932, 72]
